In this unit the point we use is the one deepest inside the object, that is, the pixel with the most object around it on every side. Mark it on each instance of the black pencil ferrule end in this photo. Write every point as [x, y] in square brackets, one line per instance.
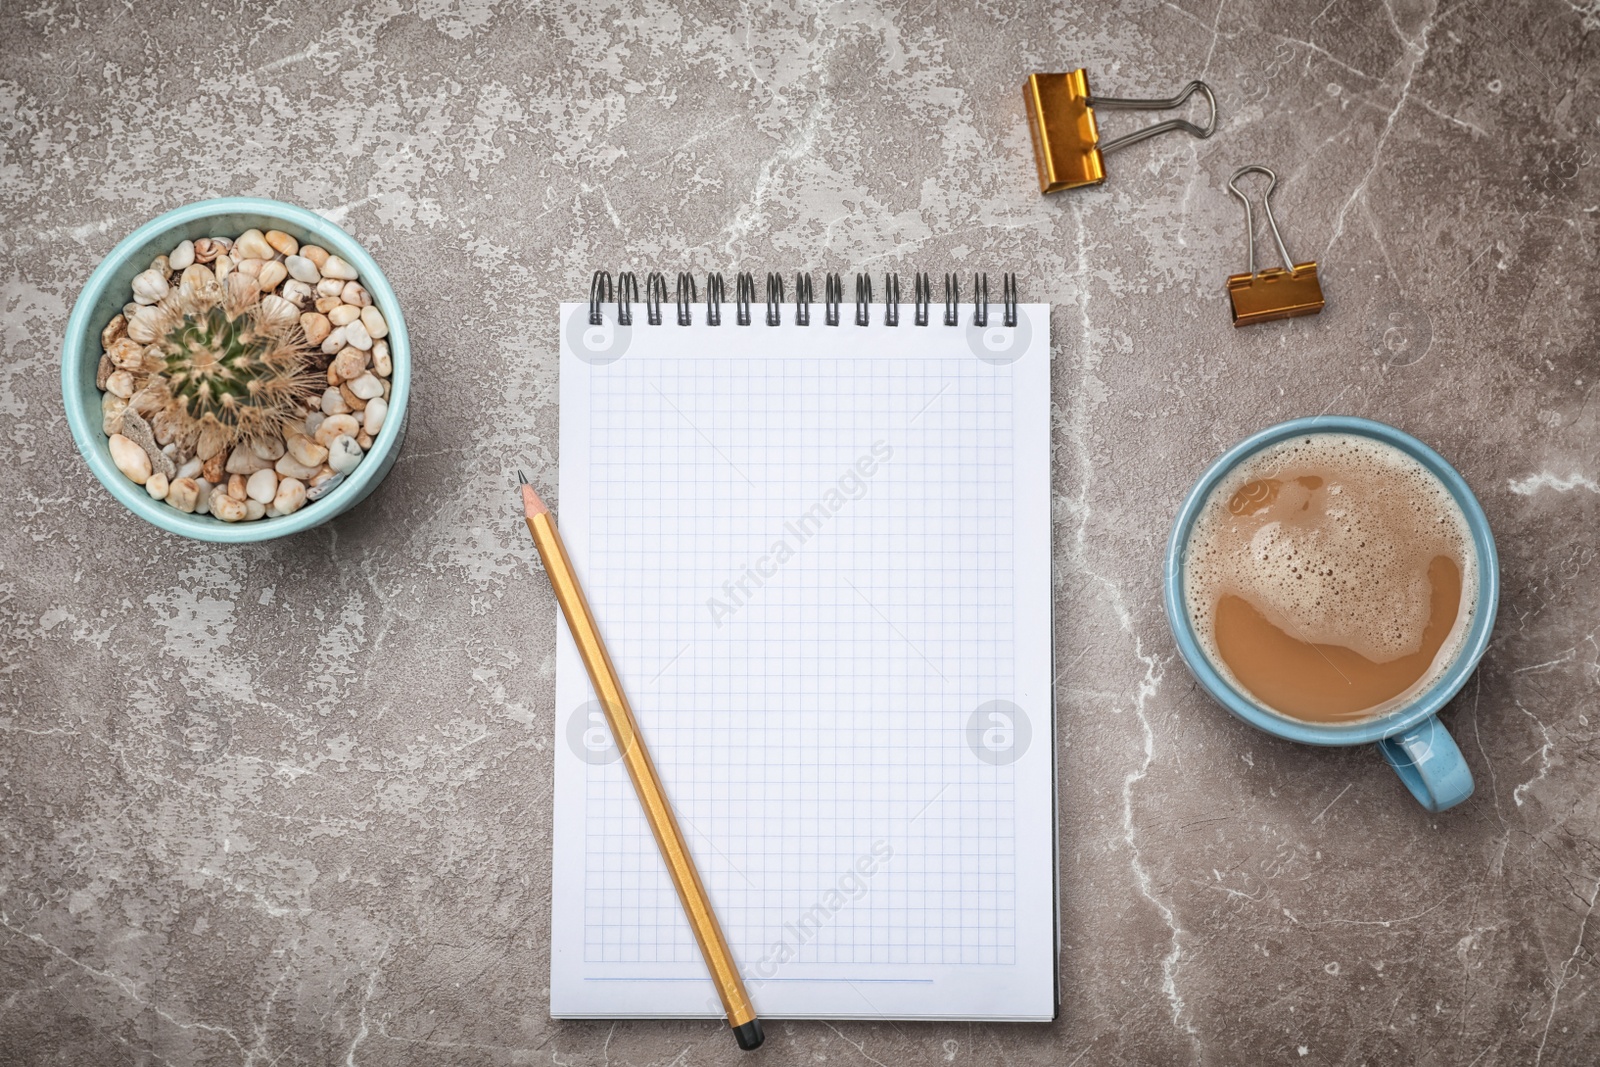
[749, 1035]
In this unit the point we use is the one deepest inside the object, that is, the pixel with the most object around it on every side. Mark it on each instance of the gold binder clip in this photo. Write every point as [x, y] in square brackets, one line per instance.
[1066, 138]
[1277, 292]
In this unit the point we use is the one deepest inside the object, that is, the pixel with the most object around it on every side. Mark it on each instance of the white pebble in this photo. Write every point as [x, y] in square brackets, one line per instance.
[120, 383]
[353, 402]
[272, 275]
[307, 451]
[344, 453]
[131, 459]
[334, 341]
[226, 507]
[281, 242]
[183, 494]
[302, 269]
[127, 354]
[377, 326]
[381, 362]
[142, 327]
[149, 287]
[372, 418]
[279, 313]
[336, 426]
[334, 267]
[316, 419]
[356, 335]
[332, 404]
[366, 387]
[191, 469]
[268, 448]
[243, 461]
[253, 510]
[344, 315]
[252, 244]
[289, 467]
[262, 486]
[315, 324]
[182, 257]
[195, 276]
[156, 485]
[329, 287]
[349, 363]
[291, 496]
[202, 503]
[114, 330]
[355, 293]
[297, 293]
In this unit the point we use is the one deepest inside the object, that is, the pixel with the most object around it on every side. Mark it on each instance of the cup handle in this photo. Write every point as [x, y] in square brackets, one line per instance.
[1429, 763]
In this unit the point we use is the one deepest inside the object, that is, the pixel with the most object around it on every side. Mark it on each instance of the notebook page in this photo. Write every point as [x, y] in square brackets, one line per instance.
[820, 557]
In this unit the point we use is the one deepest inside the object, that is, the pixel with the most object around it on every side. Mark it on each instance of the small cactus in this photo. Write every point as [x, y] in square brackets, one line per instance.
[226, 366]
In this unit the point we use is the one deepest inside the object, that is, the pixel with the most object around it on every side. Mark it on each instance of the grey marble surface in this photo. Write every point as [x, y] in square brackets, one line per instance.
[290, 804]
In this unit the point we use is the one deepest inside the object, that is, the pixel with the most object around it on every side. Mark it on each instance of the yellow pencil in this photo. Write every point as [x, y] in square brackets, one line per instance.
[652, 796]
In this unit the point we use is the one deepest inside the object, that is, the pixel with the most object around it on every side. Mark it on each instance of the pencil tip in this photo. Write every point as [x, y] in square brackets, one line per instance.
[531, 504]
[523, 478]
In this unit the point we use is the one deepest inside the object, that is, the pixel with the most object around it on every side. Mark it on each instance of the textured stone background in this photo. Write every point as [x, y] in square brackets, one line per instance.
[290, 804]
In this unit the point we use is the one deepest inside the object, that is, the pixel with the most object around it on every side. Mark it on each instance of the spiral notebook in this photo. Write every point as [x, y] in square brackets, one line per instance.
[817, 538]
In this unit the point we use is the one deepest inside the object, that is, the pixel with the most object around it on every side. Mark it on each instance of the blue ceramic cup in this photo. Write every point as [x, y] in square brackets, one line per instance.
[108, 289]
[1410, 737]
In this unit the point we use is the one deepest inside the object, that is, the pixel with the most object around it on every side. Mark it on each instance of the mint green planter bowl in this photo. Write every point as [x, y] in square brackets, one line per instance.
[108, 289]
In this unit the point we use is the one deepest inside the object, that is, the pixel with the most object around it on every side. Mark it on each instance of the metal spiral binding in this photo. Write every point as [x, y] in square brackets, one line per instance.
[716, 293]
[655, 293]
[744, 296]
[774, 299]
[687, 295]
[599, 293]
[627, 296]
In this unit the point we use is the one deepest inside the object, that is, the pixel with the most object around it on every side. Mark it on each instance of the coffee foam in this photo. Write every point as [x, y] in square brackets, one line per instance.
[1330, 536]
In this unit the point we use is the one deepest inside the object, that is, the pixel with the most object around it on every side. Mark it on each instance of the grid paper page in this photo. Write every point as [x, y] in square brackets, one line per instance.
[820, 557]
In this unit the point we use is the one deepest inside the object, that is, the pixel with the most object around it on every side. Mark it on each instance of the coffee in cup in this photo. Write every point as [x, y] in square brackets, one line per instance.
[1331, 578]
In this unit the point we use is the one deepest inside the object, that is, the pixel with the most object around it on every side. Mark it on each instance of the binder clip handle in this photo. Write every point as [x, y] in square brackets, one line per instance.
[1118, 103]
[1250, 219]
